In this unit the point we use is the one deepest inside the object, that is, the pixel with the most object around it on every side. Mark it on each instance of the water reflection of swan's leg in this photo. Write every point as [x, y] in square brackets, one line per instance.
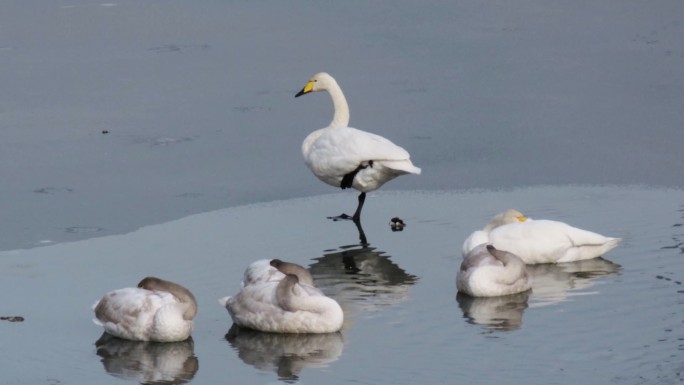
[362, 234]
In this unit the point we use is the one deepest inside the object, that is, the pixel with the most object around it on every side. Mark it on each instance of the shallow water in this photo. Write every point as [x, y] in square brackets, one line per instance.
[611, 320]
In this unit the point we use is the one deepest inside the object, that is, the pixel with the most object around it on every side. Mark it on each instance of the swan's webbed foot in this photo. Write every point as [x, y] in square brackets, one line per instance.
[356, 218]
[341, 217]
[357, 214]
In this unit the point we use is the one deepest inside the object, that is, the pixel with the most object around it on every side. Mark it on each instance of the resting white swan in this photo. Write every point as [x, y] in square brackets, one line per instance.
[280, 297]
[156, 310]
[488, 272]
[346, 157]
[540, 241]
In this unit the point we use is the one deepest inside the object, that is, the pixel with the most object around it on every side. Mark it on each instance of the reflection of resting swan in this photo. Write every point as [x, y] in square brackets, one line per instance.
[496, 313]
[540, 241]
[148, 362]
[555, 283]
[345, 157]
[156, 310]
[286, 354]
[551, 284]
[488, 272]
[273, 301]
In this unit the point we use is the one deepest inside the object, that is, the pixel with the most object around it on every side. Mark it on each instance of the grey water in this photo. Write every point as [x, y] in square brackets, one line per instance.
[617, 319]
[162, 138]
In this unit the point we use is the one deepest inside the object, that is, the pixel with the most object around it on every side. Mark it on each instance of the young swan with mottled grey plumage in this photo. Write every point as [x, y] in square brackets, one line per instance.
[279, 297]
[156, 310]
[540, 241]
[488, 272]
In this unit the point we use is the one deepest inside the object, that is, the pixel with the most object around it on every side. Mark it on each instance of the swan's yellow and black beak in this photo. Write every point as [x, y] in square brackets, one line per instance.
[307, 88]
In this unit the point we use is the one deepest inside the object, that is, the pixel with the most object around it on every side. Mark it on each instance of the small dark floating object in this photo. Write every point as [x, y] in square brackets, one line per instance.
[15, 318]
[105, 131]
[396, 224]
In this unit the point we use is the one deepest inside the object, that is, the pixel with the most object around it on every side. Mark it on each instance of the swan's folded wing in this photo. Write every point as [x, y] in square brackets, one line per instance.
[130, 304]
[261, 271]
[348, 147]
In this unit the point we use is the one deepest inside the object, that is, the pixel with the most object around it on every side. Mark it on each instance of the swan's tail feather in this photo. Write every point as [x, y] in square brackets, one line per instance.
[610, 245]
[402, 165]
[223, 301]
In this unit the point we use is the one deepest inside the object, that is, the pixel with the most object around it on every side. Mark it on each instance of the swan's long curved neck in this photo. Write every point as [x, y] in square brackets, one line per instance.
[341, 116]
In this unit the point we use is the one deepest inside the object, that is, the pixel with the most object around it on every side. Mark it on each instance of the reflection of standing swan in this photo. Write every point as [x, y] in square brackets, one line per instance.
[362, 279]
[156, 310]
[148, 362]
[488, 272]
[282, 303]
[345, 157]
[540, 241]
[286, 354]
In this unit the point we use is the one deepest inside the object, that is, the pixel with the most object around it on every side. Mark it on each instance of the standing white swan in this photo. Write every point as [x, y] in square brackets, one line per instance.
[346, 157]
[280, 297]
[156, 310]
[540, 241]
[488, 272]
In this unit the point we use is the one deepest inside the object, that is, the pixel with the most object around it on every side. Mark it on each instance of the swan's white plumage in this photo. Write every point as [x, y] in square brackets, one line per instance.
[540, 241]
[144, 315]
[337, 150]
[482, 274]
[260, 306]
[261, 271]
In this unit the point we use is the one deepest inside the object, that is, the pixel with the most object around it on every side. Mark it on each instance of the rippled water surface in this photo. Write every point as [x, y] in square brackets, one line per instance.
[617, 319]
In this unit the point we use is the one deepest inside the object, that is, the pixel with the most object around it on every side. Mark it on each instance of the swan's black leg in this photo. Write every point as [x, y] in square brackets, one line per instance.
[348, 179]
[356, 218]
[357, 214]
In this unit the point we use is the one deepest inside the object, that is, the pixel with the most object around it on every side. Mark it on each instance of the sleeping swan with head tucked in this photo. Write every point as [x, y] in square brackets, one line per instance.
[540, 241]
[156, 310]
[488, 272]
[279, 297]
